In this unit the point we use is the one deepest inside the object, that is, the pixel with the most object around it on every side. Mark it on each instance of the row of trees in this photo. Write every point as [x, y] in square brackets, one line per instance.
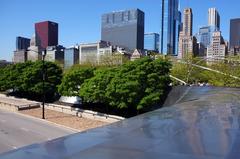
[25, 79]
[134, 86]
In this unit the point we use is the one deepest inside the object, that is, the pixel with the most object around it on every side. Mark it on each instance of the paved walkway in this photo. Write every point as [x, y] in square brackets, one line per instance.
[17, 131]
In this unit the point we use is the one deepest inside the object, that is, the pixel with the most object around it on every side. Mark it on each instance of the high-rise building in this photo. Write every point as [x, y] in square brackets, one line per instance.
[204, 39]
[234, 34]
[71, 56]
[214, 19]
[151, 42]
[187, 43]
[20, 54]
[204, 36]
[217, 49]
[170, 27]
[46, 34]
[124, 28]
[187, 22]
[22, 43]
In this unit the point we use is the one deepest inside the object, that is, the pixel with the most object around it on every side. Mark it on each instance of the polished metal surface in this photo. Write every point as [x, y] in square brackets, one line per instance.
[203, 124]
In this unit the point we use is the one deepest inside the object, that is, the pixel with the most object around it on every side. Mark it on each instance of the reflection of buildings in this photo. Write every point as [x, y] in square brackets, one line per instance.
[170, 27]
[71, 56]
[151, 42]
[124, 28]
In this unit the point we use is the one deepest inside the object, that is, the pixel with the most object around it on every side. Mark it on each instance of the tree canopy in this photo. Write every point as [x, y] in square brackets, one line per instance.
[28, 78]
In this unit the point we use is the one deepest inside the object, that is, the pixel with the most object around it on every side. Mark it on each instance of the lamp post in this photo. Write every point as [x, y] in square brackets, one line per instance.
[43, 82]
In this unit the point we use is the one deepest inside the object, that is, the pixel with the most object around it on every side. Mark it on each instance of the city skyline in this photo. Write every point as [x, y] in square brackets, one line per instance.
[75, 24]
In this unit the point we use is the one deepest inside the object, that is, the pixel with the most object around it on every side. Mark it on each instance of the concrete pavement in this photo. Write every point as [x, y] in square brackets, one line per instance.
[17, 131]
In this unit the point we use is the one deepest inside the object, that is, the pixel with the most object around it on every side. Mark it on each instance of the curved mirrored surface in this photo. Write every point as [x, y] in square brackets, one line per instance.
[202, 124]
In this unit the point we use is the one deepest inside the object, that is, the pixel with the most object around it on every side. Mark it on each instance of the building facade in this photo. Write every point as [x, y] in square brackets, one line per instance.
[90, 52]
[234, 42]
[151, 42]
[71, 57]
[20, 54]
[217, 50]
[170, 27]
[204, 39]
[22, 43]
[137, 54]
[187, 43]
[55, 54]
[34, 52]
[124, 28]
[214, 19]
[187, 22]
[46, 34]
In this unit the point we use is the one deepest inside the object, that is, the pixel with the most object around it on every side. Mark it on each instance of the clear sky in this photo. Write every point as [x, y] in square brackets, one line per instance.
[80, 20]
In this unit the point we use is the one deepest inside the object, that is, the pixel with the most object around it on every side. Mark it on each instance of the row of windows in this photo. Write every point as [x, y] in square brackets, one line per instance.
[119, 17]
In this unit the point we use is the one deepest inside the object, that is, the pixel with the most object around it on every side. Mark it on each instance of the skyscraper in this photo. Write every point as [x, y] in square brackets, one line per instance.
[46, 34]
[214, 19]
[151, 42]
[22, 43]
[234, 33]
[124, 28]
[204, 35]
[170, 26]
[187, 22]
[187, 43]
[20, 54]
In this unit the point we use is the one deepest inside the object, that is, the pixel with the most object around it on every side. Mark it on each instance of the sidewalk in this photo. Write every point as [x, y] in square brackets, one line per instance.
[64, 119]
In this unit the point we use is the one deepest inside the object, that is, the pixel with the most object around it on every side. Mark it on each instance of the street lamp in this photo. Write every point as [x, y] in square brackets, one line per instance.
[43, 82]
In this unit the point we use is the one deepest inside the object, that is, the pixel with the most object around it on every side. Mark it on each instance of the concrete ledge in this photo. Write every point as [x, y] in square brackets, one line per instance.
[84, 113]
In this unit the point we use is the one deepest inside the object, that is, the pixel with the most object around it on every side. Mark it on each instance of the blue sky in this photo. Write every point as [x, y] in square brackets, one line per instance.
[80, 20]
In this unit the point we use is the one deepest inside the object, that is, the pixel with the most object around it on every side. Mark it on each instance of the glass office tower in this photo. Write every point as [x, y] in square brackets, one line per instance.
[124, 29]
[234, 33]
[170, 27]
[151, 42]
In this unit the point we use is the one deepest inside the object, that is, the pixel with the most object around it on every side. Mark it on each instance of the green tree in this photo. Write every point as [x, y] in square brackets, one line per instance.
[31, 78]
[93, 90]
[26, 78]
[139, 84]
[73, 79]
